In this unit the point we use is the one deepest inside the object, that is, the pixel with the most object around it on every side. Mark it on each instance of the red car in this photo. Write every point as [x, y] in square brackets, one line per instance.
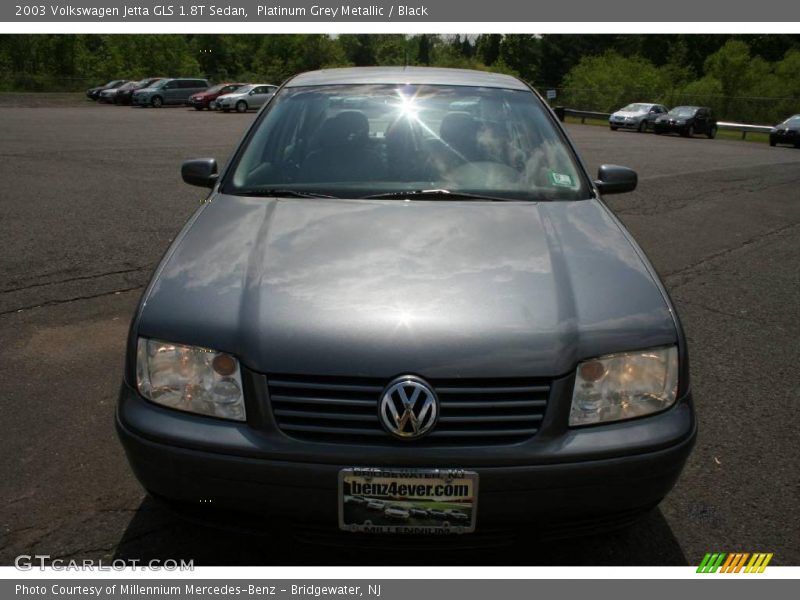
[204, 99]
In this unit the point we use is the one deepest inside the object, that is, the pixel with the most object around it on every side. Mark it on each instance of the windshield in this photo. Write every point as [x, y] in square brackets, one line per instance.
[683, 111]
[363, 140]
[792, 121]
[160, 83]
[636, 108]
[242, 90]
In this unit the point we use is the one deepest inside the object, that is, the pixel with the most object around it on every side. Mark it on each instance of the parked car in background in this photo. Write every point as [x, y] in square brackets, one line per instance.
[204, 99]
[94, 93]
[787, 132]
[639, 116]
[397, 513]
[687, 121]
[248, 97]
[125, 93]
[542, 341]
[169, 91]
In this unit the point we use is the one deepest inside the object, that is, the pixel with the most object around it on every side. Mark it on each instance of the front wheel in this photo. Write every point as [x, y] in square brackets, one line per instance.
[613, 128]
[241, 106]
[642, 126]
[688, 131]
[157, 102]
[712, 132]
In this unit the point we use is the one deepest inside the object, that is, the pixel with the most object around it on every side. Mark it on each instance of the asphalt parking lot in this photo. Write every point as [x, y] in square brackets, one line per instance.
[91, 197]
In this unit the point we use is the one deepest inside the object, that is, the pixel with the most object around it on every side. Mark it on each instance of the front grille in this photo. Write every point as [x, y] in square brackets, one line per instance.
[471, 411]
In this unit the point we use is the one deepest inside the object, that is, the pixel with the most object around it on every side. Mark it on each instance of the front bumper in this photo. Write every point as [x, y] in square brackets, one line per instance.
[670, 127]
[577, 473]
[141, 100]
[627, 124]
[784, 138]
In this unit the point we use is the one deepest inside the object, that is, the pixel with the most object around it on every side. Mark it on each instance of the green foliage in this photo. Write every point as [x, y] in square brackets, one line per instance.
[743, 77]
[609, 81]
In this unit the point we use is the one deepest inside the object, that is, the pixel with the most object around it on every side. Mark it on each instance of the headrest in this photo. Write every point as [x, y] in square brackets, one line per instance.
[347, 127]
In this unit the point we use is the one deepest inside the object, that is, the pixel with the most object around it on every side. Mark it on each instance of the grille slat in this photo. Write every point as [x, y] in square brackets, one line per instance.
[494, 390]
[315, 400]
[482, 433]
[497, 404]
[308, 385]
[323, 415]
[491, 418]
[471, 411]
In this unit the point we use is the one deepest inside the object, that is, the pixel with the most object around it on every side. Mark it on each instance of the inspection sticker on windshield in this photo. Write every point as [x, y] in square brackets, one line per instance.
[408, 501]
[560, 179]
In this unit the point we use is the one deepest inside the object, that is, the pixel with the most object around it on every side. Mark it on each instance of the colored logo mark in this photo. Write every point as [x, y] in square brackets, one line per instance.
[734, 562]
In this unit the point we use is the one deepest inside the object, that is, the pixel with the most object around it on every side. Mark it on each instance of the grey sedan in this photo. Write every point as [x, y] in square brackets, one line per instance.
[248, 97]
[639, 116]
[405, 282]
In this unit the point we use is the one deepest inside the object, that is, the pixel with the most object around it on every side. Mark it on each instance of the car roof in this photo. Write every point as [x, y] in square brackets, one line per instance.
[406, 75]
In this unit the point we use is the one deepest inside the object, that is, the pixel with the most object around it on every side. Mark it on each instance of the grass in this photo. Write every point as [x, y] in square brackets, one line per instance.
[758, 138]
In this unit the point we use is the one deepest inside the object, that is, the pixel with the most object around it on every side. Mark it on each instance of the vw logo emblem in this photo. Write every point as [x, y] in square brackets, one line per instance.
[408, 408]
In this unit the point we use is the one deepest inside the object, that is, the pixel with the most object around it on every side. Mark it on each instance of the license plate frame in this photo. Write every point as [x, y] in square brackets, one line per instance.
[406, 501]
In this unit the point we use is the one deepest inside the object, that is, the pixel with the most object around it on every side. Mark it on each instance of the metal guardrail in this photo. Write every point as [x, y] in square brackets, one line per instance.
[726, 125]
[745, 129]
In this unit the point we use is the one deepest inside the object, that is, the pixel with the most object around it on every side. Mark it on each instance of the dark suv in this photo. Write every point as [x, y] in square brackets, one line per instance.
[687, 121]
[406, 285]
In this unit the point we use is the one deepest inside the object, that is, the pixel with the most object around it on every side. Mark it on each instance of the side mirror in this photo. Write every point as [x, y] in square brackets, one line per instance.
[200, 171]
[252, 92]
[613, 179]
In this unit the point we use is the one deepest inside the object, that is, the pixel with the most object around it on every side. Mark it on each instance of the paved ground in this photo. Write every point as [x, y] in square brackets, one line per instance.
[91, 198]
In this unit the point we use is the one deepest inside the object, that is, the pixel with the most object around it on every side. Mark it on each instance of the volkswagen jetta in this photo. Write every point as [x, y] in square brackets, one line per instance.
[405, 286]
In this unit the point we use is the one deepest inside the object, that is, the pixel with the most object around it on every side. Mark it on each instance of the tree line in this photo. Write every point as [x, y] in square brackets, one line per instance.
[752, 78]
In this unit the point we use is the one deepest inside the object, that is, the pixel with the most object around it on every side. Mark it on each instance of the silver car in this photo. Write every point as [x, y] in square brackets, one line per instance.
[639, 116]
[248, 97]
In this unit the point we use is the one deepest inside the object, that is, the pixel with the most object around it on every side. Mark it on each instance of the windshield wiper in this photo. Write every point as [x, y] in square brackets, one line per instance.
[280, 193]
[437, 193]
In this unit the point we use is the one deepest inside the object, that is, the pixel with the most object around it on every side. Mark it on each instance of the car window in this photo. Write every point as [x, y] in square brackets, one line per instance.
[683, 111]
[636, 107]
[359, 140]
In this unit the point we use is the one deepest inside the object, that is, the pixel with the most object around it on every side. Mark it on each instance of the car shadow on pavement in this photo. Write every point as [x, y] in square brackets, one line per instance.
[156, 533]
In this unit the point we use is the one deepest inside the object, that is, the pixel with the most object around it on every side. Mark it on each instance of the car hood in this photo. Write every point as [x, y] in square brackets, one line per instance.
[625, 113]
[379, 288]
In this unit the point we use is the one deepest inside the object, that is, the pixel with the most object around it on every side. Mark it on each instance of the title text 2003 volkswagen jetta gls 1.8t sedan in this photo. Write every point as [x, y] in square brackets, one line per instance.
[404, 308]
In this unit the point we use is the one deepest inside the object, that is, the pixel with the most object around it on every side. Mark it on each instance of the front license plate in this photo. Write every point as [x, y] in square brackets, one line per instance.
[408, 501]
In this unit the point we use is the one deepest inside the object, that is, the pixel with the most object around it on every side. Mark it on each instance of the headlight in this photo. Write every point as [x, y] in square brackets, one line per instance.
[189, 378]
[624, 386]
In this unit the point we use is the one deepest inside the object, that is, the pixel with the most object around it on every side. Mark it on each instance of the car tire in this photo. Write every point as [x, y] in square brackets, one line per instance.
[157, 102]
[642, 126]
[797, 144]
[613, 128]
[772, 143]
[688, 131]
[712, 133]
[241, 106]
